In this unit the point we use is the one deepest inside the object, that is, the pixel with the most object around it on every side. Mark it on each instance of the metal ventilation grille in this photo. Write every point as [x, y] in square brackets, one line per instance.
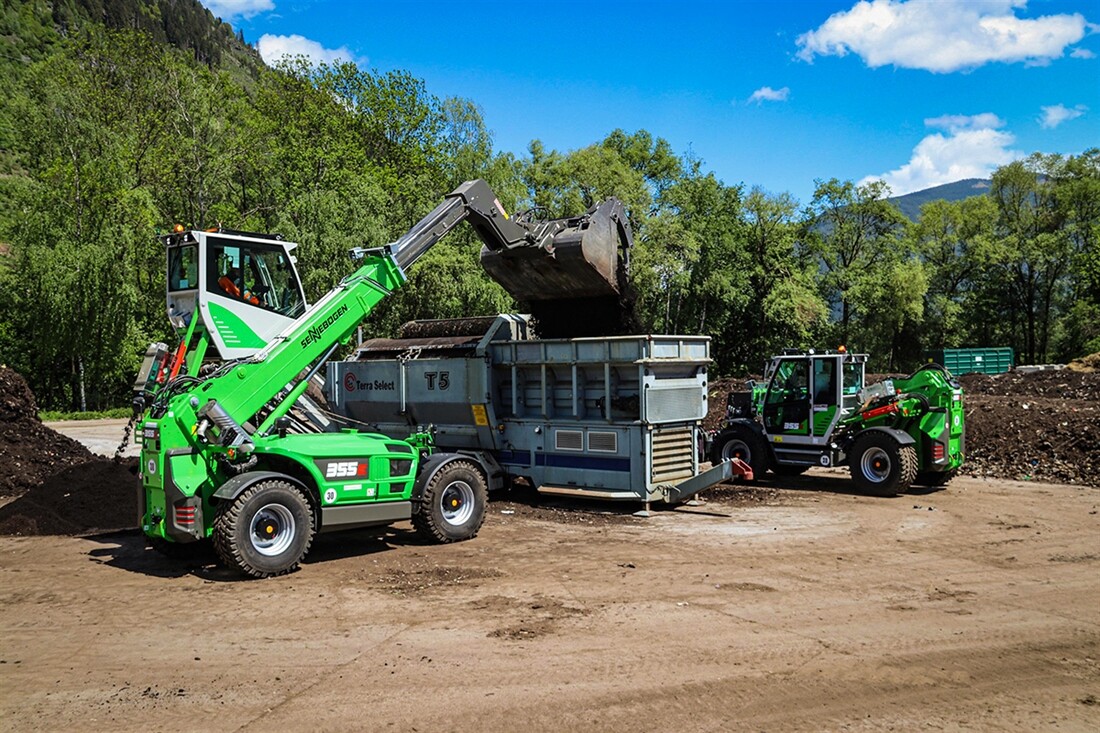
[568, 440]
[673, 458]
[676, 403]
[603, 442]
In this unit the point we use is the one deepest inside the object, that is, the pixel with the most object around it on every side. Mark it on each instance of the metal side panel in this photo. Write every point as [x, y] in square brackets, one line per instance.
[450, 393]
[810, 456]
[364, 515]
[601, 460]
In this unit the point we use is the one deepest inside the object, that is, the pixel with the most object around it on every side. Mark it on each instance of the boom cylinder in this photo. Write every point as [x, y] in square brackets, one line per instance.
[232, 434]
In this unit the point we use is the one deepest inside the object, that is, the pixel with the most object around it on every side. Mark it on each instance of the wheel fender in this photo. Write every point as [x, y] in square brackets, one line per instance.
[755, 427]
[432, 466]
[235, 486]
[902, 437]
[745, 423]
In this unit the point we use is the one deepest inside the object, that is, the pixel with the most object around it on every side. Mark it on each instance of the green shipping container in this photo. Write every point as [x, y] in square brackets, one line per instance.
[993, 360]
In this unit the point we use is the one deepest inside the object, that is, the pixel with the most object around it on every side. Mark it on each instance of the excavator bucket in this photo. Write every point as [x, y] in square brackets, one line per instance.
[580, 257]
[570, 273]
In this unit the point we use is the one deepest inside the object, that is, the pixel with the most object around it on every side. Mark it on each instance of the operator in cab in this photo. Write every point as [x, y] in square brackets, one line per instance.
[228, 283]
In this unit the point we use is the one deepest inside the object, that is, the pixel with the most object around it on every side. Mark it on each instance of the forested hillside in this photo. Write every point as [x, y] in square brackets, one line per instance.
[911, 203]
[118, 122]
[30, 28]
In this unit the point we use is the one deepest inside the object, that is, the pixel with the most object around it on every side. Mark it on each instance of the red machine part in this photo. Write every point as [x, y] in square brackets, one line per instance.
[884, 410]
[741, 469]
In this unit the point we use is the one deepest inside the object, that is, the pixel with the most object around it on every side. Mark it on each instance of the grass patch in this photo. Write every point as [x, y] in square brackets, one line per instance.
[56, 416]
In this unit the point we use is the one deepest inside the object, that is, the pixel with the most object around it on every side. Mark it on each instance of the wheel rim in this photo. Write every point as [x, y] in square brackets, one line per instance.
[875, 465]
[737, 448]
[456, 502]
[273, 530]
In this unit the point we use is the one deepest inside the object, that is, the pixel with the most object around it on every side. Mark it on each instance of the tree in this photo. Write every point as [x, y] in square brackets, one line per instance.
[783, 302]
[955, 241]
[857, 235]
[1076, 198]
[86, 120]
[1028, 276]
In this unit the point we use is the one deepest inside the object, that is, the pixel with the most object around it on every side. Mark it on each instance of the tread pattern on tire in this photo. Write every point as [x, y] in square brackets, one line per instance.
[907, 463]
[227, 519]
[908, 467]
[424, 522]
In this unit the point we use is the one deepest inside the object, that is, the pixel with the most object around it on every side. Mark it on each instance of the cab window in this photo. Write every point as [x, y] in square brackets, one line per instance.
[183, 267]
[791, 381]
[786, 408]
[853, 383]
[256, 274]
[824, 381]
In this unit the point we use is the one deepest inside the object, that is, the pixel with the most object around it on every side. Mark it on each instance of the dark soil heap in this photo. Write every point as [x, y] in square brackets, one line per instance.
[717, 393]
[61, 487]
[29, 451]
[1042, 426]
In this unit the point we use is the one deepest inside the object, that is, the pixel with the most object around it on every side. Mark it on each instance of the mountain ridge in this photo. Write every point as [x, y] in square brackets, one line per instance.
[910, 203]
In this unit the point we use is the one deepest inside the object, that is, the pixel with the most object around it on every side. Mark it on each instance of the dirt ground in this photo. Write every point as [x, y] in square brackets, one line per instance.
[802, 608]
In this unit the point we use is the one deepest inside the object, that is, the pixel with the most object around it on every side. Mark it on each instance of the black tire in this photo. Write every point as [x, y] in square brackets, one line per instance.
[789, 470]
[452, 505]
[741, 441]
[881, 466]
[265, 531]
[935, 479]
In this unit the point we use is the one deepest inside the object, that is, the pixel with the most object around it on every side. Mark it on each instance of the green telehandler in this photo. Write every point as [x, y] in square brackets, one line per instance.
[223, 457]
[814, 409]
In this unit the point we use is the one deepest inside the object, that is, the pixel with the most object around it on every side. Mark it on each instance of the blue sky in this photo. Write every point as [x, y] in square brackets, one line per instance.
[775, 94]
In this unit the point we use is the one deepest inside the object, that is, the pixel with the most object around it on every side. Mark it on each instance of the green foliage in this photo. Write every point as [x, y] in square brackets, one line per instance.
[858, 238]
[782, 306]
[114, 413]
[108, 136]
[1017, 267]
[113, 137]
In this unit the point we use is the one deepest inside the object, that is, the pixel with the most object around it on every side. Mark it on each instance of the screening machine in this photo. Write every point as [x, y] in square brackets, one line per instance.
[616, 418]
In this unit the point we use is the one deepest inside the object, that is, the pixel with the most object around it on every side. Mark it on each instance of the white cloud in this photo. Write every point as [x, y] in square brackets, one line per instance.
[234, 8]
[957, 123]
[1081, 53]
[973, 147]
[272, 48]
[767, 94]
[1056, 114]
[942, 35]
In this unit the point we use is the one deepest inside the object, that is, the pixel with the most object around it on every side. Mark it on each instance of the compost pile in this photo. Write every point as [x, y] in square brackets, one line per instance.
[717, 393]
[1041, 426]
[59, 486]
[1090, 363]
